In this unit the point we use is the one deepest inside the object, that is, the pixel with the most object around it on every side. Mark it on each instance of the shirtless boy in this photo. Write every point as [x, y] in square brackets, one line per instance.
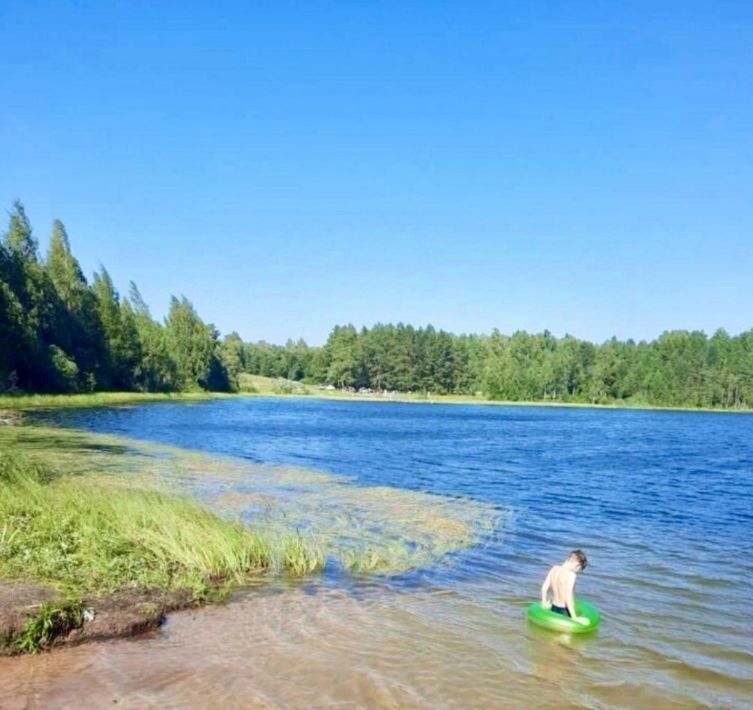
[561, 580]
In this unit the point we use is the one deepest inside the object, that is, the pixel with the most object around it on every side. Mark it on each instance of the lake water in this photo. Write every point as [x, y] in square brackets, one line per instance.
[662, 503]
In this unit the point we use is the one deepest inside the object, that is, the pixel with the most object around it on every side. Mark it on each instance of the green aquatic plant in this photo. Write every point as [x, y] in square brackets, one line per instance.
[375, 561]
[301, 557]
[54, 619]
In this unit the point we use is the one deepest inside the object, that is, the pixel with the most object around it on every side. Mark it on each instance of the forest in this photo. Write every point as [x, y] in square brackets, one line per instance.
[61, 333]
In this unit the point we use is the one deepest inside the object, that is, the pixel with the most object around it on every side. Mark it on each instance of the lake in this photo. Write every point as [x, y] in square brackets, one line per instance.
[661, 502]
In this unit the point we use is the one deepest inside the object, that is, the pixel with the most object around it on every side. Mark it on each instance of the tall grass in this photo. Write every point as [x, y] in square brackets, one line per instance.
[92, 535]
[99, 399]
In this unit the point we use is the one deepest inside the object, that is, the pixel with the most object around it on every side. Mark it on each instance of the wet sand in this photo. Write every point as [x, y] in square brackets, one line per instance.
[320, 646]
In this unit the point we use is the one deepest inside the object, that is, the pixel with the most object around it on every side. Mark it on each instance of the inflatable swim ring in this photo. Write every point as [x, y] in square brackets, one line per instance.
[541, 616]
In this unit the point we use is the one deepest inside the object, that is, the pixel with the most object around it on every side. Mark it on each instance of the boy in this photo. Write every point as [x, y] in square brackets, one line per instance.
[561, 580]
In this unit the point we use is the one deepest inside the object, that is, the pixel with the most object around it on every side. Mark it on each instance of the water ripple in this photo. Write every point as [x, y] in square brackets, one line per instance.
[662, 502]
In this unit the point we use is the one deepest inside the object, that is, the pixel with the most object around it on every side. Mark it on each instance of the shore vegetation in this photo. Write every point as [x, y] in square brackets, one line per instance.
[80, 521]
[95, 535]
[23, 402]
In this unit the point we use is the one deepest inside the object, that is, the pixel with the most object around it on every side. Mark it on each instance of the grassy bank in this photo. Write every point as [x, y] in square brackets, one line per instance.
[82, 517]
[95, 534]
[70, 535]
[19, 403]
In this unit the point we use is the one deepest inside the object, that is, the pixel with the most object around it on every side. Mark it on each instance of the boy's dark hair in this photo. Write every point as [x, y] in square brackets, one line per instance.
[581, 557]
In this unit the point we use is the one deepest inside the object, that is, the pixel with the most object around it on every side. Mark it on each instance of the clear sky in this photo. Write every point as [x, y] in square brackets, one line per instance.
[585, 167]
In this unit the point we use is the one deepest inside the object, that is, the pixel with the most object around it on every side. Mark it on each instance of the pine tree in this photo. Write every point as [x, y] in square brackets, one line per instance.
[64, 269]
[122, 347]
[193, 345]
[15, 336]
[156, 370]
[30, 300]
[344, 360]
[232, 354]
[78, 329]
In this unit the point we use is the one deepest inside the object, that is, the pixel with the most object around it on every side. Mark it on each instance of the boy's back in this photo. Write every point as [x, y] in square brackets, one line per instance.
[561, 582]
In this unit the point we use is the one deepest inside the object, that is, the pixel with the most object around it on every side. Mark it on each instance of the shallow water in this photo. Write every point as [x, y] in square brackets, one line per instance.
[662, 503]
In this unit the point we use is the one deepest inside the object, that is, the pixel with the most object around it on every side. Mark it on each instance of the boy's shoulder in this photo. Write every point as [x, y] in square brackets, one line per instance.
[562, 572]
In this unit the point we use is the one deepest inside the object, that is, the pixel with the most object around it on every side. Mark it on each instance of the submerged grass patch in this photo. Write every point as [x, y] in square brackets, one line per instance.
[373, 529]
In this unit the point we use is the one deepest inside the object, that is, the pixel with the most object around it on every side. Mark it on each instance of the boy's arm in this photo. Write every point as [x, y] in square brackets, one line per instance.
[570, 596]
[570, 602]
[545, 590]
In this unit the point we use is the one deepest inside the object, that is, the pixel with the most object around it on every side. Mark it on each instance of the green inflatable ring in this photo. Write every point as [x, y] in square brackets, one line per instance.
[541, 616]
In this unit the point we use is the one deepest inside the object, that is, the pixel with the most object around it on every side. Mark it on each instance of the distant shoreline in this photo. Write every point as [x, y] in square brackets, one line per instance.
[10, 404]
[470, 400]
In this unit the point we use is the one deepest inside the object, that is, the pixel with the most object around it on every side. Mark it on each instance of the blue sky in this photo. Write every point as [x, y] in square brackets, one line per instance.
[581, 167]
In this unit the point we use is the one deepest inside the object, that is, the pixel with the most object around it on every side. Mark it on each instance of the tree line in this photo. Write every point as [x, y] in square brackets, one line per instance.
[61, 333]
[678, 369]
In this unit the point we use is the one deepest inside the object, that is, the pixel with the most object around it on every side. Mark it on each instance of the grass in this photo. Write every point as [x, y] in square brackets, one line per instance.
[97, 534]
[271, 386]
[98, 399]
[53, 620]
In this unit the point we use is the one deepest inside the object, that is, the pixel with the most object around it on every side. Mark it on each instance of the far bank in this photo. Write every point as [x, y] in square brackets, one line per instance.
[258, 386]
